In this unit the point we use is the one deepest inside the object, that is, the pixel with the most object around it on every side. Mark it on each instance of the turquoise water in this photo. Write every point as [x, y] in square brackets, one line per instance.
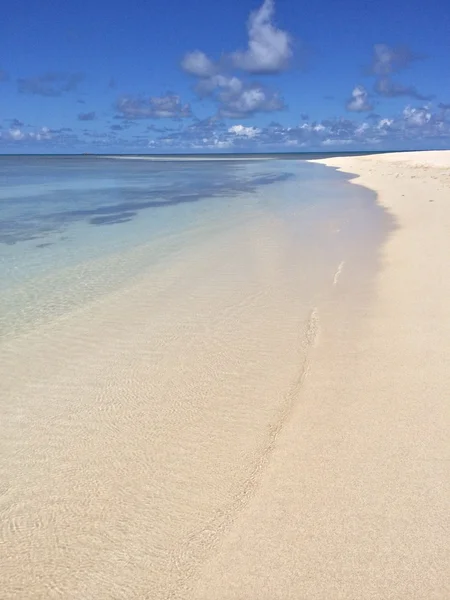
[74, 228]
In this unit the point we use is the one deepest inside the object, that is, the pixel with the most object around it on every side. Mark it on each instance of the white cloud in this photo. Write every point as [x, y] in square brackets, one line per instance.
[16, 134]
[359, 102]
[412, 128]
[269, 48]
[384, 124]
[242, 131]
[417, 117]
[269, 51]
[238, 99]
[362, 129]
[198, 64]
[249, 100]
[43, 134]
[229, 84]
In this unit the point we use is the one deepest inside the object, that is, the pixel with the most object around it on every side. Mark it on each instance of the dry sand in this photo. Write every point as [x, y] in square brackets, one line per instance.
[143, 475]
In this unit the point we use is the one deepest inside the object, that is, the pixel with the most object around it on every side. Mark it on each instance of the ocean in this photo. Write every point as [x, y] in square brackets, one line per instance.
[74, 228]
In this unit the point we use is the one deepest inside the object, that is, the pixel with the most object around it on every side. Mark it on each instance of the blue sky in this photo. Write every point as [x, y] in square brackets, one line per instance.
[210, 76]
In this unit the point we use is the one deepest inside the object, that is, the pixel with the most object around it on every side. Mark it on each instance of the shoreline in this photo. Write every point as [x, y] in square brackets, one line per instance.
[355, 501]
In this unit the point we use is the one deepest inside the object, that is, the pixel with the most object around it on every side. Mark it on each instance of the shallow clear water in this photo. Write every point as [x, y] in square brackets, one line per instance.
[158, 322]
[74, 228]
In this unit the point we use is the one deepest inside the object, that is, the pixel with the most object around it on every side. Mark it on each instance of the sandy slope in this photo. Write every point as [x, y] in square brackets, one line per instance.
[355, 502]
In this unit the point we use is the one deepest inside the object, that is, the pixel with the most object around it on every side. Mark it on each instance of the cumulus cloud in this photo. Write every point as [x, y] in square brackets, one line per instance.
[238, 99]
[384, 124]
[155, 107]
[417, 117]
[359, 101]
[269, 51]
[226, 83]
[251, 99]
[409, 128]
[198, 64]
[269, 48]
[89, 116]
[50, 84]
[43, 134]
[44, 137]
[242, 131]
[17, 134]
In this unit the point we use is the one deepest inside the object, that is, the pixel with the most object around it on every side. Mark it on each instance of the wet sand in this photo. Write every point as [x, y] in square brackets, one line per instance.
[217, 432]
[355, 502]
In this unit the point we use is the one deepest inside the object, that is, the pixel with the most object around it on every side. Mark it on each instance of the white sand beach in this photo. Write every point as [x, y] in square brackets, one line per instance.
[355, 502]
[245, 442]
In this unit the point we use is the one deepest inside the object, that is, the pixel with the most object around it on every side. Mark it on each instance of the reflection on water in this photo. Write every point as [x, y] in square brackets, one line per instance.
[42, 195]
[75, 228]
